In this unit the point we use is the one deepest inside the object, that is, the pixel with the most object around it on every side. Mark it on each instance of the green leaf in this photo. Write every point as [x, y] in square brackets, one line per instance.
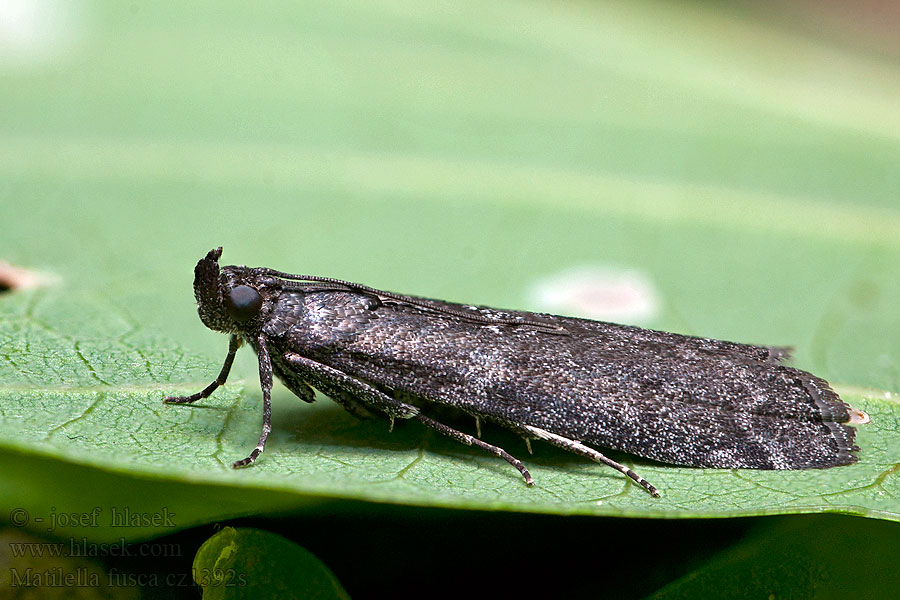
[320, 452]
[251, 563]
[467, 155]
[812, 557]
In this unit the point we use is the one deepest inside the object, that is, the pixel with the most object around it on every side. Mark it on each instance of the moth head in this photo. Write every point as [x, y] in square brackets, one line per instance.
[225, 301]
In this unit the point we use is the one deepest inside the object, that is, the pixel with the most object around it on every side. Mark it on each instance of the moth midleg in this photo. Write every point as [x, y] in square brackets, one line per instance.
[338, 385]
[473, 441]
[233, 344]
[579, 448]
[265, 382]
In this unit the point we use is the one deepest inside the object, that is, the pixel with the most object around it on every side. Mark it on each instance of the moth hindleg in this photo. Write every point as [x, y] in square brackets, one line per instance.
[339, 387]
[298, 386]
[579, 448]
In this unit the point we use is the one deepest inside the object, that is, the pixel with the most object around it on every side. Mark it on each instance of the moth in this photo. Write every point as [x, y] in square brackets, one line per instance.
[574, 383]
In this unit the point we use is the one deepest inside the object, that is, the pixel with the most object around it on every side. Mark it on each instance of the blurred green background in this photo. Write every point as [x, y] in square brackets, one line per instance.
[743, 160]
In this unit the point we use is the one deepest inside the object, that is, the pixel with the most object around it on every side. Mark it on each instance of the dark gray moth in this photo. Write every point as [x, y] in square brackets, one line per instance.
[571, 382]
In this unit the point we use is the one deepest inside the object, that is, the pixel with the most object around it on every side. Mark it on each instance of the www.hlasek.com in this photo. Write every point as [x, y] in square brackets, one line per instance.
[84, 548]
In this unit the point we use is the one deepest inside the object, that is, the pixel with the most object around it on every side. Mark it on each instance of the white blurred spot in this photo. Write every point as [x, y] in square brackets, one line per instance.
[601, 293]
[35, 32]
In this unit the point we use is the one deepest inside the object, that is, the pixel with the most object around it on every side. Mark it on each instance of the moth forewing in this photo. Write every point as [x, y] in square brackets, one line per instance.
[571, 382]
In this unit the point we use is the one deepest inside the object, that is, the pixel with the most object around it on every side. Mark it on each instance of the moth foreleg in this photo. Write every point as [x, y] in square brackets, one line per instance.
[579, 448]
[233, 344]
[347, 390]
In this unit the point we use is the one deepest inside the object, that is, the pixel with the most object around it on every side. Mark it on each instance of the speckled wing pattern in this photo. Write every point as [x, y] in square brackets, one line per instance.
[571, 382]
[673, 398]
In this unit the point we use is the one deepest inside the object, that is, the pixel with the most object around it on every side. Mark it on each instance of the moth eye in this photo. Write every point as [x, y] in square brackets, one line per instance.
[243, 303]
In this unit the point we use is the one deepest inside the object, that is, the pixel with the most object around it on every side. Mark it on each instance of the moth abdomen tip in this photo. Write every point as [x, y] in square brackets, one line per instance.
[858, 417]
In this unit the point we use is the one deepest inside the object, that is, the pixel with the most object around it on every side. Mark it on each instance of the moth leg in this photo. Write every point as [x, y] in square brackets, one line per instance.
[301, 389]
[340, 387]
[469, 440]
[296, 385]
[352, 405]
[579, 448]
[233, 344]
[265, 382]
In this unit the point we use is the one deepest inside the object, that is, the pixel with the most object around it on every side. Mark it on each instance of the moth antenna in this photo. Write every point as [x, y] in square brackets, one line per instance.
[465, 315]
